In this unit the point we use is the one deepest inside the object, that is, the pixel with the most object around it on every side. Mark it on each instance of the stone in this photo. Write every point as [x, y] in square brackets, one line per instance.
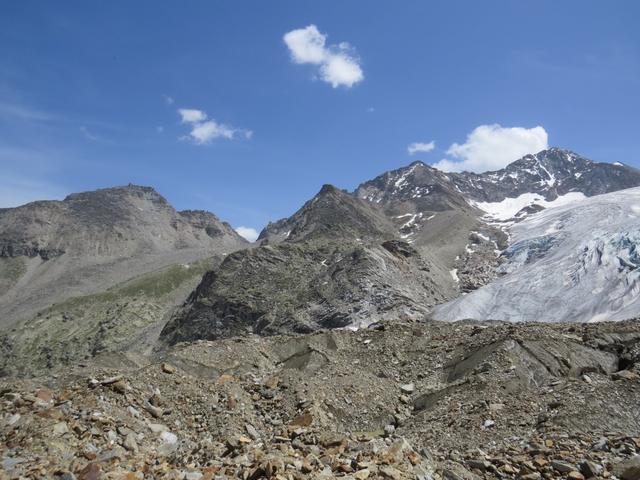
[91, 472]
[61, 428]
[601, 445]
[531, 476]
[251, 431]
[168, 368]
[481, 465]
[169, 438]
[119, 386]
[562, 467]
[408, 388]
[157, 428]
[362, 474]
[625, 375]
[391, 473]
[130, 443]
[488, 423]
[65, 476]
[13, 419]
[628, 469]
[590, 469]
[155, 412]
[304, 420]
[389, 429]
[575, 475]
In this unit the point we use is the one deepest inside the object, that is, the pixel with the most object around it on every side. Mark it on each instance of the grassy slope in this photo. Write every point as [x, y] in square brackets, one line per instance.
[81, 327]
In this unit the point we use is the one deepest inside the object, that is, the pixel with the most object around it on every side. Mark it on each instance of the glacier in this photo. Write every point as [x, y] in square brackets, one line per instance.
[578, 262]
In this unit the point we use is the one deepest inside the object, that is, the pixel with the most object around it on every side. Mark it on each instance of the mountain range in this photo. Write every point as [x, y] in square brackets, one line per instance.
[119, 269]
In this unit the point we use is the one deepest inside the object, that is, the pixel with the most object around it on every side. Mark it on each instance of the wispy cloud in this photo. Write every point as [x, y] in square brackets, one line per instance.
[168, 100]
[205, 130]
[23, 112]
[421, 147]
[491, 147]
[88, 135]
[338, 64]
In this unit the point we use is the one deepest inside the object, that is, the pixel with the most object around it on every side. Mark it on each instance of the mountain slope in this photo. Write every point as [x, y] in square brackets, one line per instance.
[331, 214]
[550, 173]
[336, 262]
[400, 243]
[579, 263]
[52, 250]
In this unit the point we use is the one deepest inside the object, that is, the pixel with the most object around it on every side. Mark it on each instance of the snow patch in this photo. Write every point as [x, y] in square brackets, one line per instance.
[509, 207]
[454, 275]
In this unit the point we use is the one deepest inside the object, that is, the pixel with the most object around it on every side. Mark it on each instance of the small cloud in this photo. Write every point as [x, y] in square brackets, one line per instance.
[248, 233]
[204, 130]
[160, 129]
[371, 109]
[191, 115]
[337, 64]
[88, 135]
[492, 147]
[421, 147]
[168, 100]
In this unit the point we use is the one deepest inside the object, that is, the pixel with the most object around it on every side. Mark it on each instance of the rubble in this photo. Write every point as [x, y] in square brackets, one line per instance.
[420, 401]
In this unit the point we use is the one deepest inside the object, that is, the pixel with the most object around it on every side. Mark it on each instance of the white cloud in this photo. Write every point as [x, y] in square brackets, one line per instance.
[206, 131]
[168, 100]
[338, 64]
[492, 147]
[416, 147]
[248, 233]
[191, 115]
[203, 131]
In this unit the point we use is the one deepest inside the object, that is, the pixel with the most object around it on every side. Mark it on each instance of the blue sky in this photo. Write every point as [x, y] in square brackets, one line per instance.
[90, 93]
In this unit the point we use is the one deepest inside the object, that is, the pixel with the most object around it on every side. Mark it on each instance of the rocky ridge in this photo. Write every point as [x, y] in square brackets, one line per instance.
[337, 262]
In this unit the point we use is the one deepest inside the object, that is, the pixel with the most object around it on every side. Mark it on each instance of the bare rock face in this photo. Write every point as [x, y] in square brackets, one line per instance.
[302, 287]
[337, 262]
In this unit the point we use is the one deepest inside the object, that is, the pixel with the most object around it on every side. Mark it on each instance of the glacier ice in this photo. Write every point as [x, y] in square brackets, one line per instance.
[573, 263]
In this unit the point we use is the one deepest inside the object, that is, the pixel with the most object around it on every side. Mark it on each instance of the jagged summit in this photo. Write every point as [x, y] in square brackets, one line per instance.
[550, 173]
[331, 213]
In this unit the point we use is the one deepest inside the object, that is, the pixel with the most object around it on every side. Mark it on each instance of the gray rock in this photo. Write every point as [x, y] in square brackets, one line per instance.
[628, 469]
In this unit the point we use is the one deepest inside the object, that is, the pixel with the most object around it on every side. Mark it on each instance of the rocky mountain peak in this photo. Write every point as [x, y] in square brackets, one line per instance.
[331, 213]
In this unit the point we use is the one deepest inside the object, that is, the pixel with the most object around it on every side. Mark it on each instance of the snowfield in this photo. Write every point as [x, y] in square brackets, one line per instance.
[509, 207]
[579, 262]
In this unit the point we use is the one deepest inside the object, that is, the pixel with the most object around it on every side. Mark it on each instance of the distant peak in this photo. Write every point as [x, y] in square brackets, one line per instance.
[129, 189]
[328, 188]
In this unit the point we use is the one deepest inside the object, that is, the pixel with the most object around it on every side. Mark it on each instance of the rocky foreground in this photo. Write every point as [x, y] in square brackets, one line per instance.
[394, 401]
